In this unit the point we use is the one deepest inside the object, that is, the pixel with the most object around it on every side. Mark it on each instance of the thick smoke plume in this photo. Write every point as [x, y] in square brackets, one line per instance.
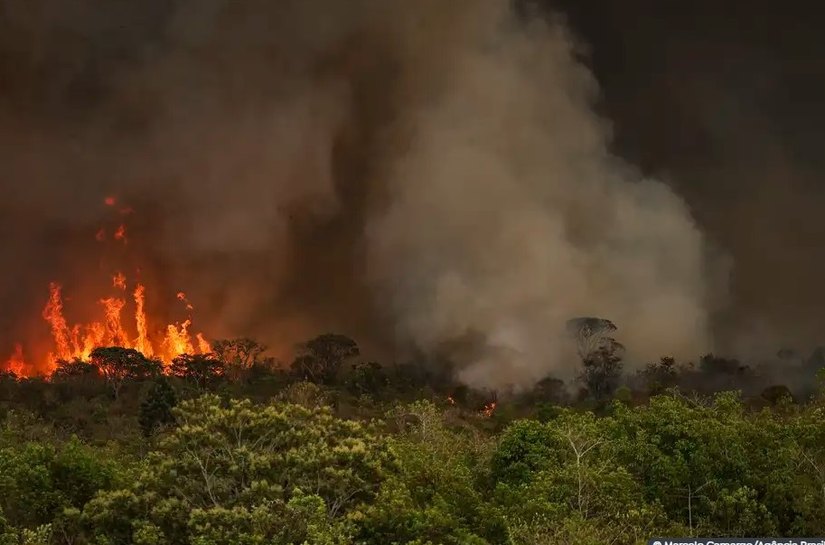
[419, 175]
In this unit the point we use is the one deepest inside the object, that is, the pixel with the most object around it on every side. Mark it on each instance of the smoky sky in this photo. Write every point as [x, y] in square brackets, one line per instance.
[724, 101]
[413, 174]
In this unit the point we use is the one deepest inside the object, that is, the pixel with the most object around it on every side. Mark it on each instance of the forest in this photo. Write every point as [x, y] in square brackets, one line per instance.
[407, 200]
[233, 447]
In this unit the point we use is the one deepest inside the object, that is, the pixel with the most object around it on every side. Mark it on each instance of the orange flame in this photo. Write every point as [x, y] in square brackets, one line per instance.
[16, 363]
[112, 307]
[177, 339]
[142, 343]
[489, 409]
[77, 341]
[53, 313]
[204, 346]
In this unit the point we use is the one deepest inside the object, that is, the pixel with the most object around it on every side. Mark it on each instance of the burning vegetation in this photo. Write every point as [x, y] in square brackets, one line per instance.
[122, 321]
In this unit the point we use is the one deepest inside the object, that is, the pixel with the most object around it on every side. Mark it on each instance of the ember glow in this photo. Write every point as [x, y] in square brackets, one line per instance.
[119, 281]
[120, 234]
[119, 320]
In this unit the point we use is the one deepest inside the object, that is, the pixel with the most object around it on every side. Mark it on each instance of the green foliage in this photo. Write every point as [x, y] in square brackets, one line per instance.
[73, 368]
[435, 498]
[320, 359]
[38, 481]
[561, 481]
[200, 370]
[660, 376]
[289, 471]
[42, 535]
[717, 469]
[367, 378]
[238, 355]
[118, 365]
[306, 394]
[256, 468]
[602, 370]
[156, 409]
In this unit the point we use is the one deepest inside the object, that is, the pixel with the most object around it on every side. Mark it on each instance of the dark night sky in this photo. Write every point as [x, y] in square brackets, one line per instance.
[724, 100]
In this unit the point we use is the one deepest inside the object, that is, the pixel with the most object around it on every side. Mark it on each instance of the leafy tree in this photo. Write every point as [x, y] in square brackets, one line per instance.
[434, 497]
[38, 481]
[238, 355]
[320, 359]
[590, 334]
[707, 461]
[8, 533]
[306, 394]
[282, 473]
[74, 368]
[74, 382]
[202, 370]
[660, 376]
[119, 364]
[367, 378]
[601, 355]
[806, 499]
[42, 535]
[602, 370]
[156, 409]
[562, 481]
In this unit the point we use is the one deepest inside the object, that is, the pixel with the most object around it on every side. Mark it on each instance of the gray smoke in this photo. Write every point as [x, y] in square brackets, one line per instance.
[409, 173]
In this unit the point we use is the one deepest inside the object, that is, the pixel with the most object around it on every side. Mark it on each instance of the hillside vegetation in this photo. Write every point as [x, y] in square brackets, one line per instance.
[232, 449]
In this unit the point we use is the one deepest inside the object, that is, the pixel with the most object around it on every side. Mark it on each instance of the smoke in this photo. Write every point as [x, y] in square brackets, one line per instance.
[729, 111]
[408, 173]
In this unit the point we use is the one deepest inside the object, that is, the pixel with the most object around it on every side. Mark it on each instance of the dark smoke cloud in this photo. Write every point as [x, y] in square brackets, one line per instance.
[409, 173]
[724, 100]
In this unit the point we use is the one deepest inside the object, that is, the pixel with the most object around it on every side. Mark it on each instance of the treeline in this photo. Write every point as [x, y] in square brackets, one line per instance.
[233, 448]
[115, 376]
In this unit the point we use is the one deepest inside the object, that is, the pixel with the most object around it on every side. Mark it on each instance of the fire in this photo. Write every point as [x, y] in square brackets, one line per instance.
[64, 340]
[489, 409]
[16, 363]
[121, 323]
[142, 343]
[204, 346]
[112, 308]
[79, 340]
